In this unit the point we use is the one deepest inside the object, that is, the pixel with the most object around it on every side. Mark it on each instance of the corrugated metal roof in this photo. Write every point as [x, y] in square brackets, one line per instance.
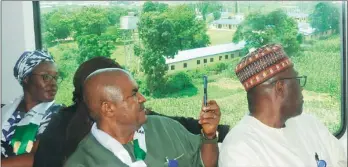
[206, 51]
[227, 21]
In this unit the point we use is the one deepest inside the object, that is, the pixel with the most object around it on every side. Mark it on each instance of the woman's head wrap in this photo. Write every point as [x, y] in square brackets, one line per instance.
[27, 62]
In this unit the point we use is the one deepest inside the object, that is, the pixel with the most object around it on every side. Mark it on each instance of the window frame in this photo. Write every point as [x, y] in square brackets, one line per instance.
[344, 62]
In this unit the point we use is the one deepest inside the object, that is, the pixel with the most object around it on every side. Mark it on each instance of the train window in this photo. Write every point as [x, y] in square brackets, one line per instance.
[142, 35]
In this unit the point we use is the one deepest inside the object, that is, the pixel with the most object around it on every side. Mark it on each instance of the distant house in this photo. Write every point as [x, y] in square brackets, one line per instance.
[201, 57]
[309, 33]
[306, 30]
[230, 23]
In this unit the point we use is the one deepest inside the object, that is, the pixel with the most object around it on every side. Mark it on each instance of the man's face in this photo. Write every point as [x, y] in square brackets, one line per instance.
[132, 109]
[293, 99]
[41, 83]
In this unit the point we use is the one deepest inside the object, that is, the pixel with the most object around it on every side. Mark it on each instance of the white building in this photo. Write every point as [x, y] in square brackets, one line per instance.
[201, 57]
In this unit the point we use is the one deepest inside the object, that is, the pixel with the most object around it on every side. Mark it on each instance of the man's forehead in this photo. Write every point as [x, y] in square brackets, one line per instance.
[134, 85]
[127, 83]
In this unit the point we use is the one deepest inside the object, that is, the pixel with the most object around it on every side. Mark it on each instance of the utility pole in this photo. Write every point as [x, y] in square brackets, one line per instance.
[236, 7]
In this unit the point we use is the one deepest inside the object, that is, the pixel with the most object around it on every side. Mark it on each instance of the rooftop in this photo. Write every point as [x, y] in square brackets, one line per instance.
[227, 21]
[205, 51]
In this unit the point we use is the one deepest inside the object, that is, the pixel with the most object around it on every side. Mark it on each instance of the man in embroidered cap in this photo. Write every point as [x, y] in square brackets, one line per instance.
[25, 119]
[275, 132]
[124, 136]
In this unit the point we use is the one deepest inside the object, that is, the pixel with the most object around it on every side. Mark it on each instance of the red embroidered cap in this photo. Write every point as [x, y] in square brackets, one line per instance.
[262, 64]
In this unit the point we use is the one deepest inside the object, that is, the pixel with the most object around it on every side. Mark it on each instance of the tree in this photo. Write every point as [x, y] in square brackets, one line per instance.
[56, 25]
[154, 6]
[324, 17]
[90, 20]
[190, 32]
[114, 14]
[93, 33]
[276, 27]
[208, 7]
[93, 45]
[158, 37]
[163, 35]
[217, 15]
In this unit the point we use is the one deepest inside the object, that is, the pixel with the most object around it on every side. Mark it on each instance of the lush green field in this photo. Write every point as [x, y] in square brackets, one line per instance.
[320, 62]
[220, 36]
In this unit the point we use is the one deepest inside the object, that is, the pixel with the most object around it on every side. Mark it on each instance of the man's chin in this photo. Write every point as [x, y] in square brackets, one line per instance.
[299, 112]
[142, 120]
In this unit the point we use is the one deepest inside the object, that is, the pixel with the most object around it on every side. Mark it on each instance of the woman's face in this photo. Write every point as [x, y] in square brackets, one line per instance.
[41, 84]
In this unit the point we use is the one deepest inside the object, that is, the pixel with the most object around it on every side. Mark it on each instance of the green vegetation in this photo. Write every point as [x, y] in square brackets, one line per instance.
[275, 27]
[219, 36]
[321, 62]
[164, 30]
[163, 34]
[325, 17]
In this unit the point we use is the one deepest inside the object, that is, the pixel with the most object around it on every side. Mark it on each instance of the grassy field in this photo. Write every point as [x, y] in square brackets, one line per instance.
[231, 98]
[220, 36]
[320, 62]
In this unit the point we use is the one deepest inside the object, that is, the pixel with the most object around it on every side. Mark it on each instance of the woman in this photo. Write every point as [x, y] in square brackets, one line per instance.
[26, 118]
[71, 125]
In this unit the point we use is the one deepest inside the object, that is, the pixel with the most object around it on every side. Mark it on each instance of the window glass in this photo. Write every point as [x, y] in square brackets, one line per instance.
[150, 35]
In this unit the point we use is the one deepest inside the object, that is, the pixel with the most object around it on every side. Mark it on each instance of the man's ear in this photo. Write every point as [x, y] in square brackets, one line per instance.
[107, 109]
[280, 88]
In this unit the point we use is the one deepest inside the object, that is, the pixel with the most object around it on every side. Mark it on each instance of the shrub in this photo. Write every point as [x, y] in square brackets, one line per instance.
[177, 82]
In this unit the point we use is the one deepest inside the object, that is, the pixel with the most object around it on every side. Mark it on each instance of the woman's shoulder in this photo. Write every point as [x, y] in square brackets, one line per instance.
[57, 107]
[54, 108]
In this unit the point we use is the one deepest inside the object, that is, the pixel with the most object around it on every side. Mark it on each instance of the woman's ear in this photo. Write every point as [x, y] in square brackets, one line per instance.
[25, 81]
